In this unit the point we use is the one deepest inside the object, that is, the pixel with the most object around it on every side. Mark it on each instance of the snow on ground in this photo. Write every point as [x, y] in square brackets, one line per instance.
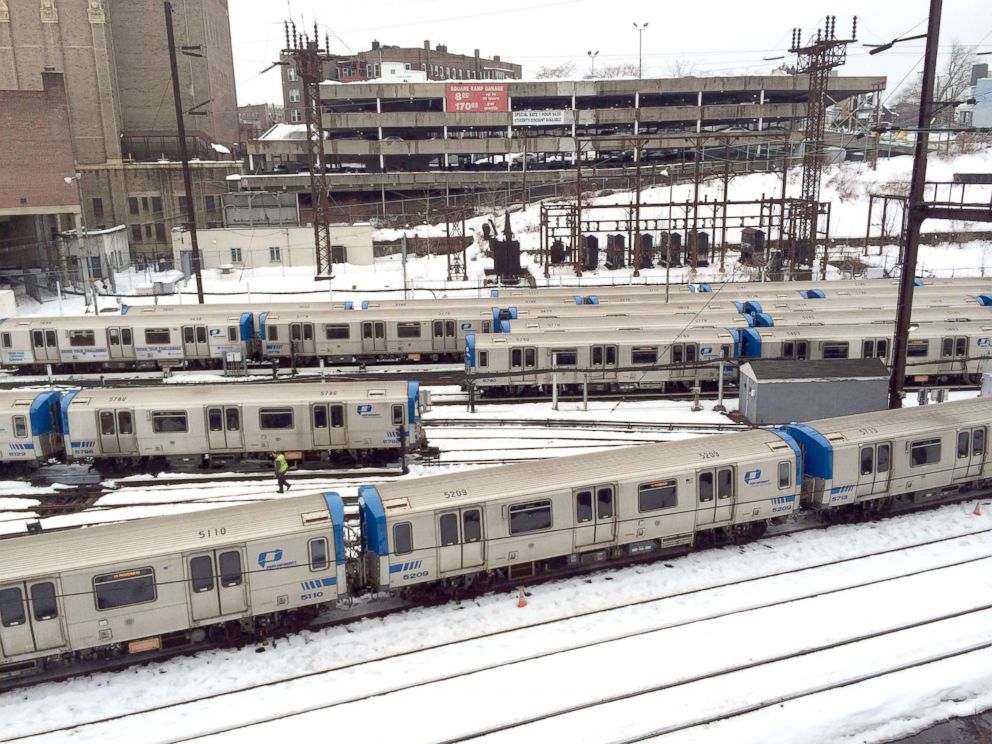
[604, 635]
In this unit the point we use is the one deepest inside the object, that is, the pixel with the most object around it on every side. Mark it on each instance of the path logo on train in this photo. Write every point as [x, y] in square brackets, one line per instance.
[365, 411]
[753, 478]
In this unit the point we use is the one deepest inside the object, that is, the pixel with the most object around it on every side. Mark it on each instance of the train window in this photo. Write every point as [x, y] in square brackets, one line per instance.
[215, 419]
[201, 573]
[471, 525]
[516, 358]
[530, 358]
[308, 331]
[169, 422]
[366, 330]
[82, 338]
[583, 507]
[448, 525]
[868, 349]
[43, 604]
[964, 444]
[397, 415]
[125, 424]
[657, 495]
[232, 333]
[20, 427]
[380, 330]
[918, 348]
[337, 417]
[294, 332]
[882, 459]
[604, 503]
[107, 426]
[802, 350]
[320, 417]
[611, 355]
[410, 329]
[867, 460]
[924, 452]
[483, 359]
[724, 483]
[562, 357]
[961, 346]
[882, 348]
[5, 340]
[337, 331]
[188, 337]
[233, 419]
[38, 339]
[530, 517]
[318, 554]
[644, 355]
[947, 348]
[487, 326]
[449, 328]
[115, 337]
[275, 418]
[438, 329]
[11, 607]
[123, 588]
[678, 354]
[162, 335]
[835, 349]
[597, 354]
[978, 442]
[402, 538]
[705, 487]
[201, 335]
[230, 568]
[272, 333]
[690, 353]
[784, 474]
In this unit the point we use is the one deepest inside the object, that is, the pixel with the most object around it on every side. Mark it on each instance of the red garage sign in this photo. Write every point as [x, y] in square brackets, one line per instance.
[477, 98]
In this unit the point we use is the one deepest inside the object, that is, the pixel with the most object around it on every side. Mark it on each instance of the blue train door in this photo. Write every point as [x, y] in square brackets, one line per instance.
[460, 539]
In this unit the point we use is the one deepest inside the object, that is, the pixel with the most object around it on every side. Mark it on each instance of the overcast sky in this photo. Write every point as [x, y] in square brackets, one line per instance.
[716, 36]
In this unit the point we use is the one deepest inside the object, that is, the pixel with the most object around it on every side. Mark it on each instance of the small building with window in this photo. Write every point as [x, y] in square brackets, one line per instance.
[271, 247]
[780, 391]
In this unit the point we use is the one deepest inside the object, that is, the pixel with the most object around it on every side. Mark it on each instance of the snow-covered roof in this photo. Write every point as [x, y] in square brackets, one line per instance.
[283, 131]
[220, 148]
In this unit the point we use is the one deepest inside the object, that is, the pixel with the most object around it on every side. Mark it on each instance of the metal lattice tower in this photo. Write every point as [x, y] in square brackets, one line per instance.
[816, 59]
[308, 57]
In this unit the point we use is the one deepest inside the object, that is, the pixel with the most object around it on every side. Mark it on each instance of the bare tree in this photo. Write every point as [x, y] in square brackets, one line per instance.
[564, 70]
[626, 69]
[682, 67]
[951, 82]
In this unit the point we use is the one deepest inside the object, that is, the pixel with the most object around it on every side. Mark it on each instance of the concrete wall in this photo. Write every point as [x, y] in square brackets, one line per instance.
[783, 402]
[255, 246]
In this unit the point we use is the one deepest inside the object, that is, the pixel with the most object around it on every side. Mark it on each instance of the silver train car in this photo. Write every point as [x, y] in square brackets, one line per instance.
[168, 581]
[222, 423]
[519, 520]
[29, 428]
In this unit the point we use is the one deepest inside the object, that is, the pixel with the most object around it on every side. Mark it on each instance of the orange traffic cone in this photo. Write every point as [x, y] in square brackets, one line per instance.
[521, 602]
[978, 509]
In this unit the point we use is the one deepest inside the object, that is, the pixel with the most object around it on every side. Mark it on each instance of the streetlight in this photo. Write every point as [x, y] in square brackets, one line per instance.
[668, 243]
[640, 38]
[592, 63]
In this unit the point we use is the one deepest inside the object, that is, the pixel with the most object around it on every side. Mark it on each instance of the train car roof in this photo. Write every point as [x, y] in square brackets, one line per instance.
[835, 330]
[529, 479]
[568, 337]
[180, 395]
[126, 543]
[90, 322]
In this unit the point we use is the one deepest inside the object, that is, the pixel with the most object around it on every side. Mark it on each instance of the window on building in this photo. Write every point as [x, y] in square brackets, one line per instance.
[169, 422]
[144, 203]
[275, 254]
[291, 74]
[294, 95]
[658, 495]
[530, 517]
[295, 116]
[160, 232]
[98, 208]
[148, 231]
[275, 418]
[236, 255]
[123, 588]
[407, 66]
[136, 233]
[157, 205]
[210, 202]
[132, 205]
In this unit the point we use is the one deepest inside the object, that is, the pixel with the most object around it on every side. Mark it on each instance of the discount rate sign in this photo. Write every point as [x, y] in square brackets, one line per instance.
[477, 98]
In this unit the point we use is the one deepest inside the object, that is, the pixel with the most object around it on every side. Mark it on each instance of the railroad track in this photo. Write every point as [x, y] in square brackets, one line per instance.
[601, 425]
[770, 590]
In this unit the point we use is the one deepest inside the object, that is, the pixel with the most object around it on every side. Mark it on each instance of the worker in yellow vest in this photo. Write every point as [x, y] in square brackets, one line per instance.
[281, 467]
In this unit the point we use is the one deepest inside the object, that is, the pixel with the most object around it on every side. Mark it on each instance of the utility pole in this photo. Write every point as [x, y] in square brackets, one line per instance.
[183, 154]
[915, 208]
[816, 59]
[640, 38]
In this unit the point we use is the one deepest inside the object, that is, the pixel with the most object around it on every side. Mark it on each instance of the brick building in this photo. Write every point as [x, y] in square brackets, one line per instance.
[437, 63]
[257, 118]
[113, 60]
